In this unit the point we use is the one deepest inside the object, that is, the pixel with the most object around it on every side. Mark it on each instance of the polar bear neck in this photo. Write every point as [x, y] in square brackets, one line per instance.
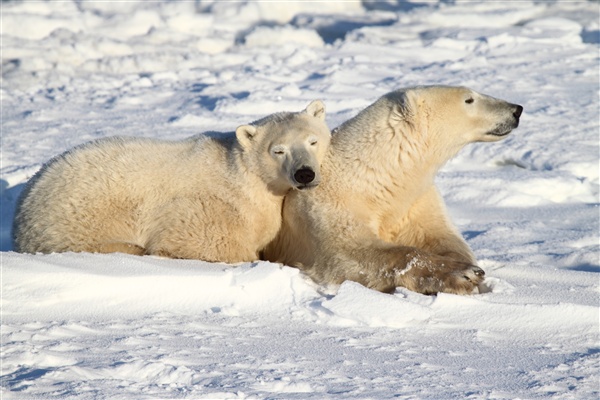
[242, 164]
[385, 150]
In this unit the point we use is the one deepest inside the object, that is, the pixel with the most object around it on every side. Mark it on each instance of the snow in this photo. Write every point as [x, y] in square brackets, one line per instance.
[93, 326]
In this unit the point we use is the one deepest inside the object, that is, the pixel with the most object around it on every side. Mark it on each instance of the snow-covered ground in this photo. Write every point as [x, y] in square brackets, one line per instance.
[91, 326]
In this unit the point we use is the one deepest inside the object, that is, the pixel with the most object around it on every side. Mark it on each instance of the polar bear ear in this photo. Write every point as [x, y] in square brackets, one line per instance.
[316, 108]
[245, 134]
[405, 104]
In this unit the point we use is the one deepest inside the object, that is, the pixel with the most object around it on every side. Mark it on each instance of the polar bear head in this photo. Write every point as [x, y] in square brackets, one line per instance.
[286, 149]
[460, 114]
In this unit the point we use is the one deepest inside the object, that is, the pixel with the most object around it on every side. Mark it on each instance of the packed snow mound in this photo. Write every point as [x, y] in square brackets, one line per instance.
[116, 285]
[278, 36]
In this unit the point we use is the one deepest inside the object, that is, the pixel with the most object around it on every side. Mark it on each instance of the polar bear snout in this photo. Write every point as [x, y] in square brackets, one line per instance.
[510, 116]
[304, 175]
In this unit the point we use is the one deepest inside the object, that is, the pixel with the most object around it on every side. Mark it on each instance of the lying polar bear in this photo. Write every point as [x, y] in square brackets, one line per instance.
[377, 218]
[214, 197]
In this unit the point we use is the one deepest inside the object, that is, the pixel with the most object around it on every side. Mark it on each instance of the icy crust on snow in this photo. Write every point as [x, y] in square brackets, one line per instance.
[114, 326]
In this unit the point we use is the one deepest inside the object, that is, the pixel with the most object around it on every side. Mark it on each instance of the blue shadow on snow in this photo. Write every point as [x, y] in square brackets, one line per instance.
[8, 204]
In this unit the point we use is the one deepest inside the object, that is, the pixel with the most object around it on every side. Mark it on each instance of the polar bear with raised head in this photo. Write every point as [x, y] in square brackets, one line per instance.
[377, 218]
[214, 196]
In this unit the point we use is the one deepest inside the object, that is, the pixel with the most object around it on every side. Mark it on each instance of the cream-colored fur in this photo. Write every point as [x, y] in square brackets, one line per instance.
[377, 218]
[215, 196]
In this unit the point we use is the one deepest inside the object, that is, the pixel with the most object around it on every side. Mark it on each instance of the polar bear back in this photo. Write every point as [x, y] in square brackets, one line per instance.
[105, 180]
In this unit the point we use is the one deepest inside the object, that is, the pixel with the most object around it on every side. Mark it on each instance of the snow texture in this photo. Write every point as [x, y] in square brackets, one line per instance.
[89, 326]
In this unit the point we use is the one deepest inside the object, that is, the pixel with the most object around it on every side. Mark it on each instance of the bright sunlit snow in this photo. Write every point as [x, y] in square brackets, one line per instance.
[91, 326]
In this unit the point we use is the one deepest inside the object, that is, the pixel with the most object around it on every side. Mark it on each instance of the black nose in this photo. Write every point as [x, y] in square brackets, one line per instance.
[518, 111]
[304, 175]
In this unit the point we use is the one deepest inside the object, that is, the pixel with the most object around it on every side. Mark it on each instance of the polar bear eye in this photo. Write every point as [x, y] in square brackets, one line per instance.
[313, 140]
[469, 100]
[278, 150]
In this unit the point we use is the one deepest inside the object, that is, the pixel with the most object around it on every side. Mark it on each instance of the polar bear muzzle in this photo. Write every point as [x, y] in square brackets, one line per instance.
[304, 176]
[509, 124]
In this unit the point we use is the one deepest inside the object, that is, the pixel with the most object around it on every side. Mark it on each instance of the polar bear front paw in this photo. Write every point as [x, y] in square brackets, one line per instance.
[431, 274]
[464, 280]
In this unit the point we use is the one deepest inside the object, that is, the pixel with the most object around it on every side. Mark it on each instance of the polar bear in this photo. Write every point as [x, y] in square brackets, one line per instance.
[213, 197]
[377, 218]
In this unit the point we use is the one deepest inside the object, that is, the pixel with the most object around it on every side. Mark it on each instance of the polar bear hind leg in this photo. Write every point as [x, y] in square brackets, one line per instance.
[121, 247]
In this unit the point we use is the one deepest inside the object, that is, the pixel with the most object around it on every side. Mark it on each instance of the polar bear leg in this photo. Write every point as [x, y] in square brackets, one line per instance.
[385, 267]
[121, 247]
[435, 232]
[207, 228]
